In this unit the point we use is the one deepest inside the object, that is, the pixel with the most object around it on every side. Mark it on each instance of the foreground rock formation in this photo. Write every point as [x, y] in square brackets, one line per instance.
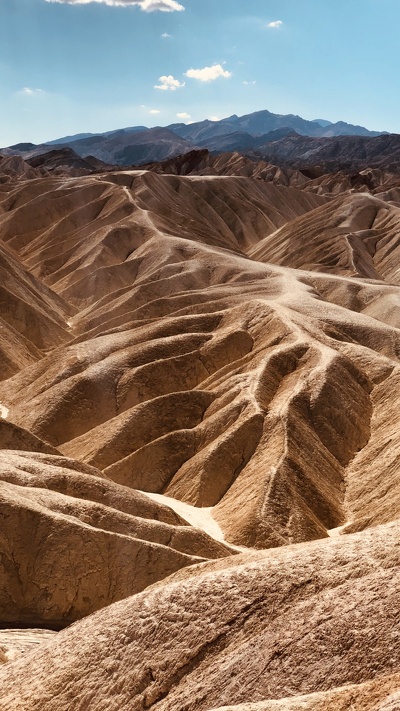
[76, 542]
[295, 621]
[199, 367]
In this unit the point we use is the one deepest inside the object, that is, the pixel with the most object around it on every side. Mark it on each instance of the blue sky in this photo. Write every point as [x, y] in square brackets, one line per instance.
[70, 66]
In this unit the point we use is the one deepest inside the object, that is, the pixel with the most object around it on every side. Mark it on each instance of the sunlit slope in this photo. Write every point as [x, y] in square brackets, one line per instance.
[83, 236]
[354, 235]
[32, 317]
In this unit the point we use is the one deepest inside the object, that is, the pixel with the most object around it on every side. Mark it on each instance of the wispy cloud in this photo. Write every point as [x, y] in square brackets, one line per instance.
[214, 118]
[249, 83]
[275, 25]
[154, 111]
[183, 115]
[29, 91]
[208, 73]
[145, 5]
[169, 83]
[166, 35]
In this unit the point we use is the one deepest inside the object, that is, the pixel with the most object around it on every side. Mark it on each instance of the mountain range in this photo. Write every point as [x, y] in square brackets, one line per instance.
[262, 132]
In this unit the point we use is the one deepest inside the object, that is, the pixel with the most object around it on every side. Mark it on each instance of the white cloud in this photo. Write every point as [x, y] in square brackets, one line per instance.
[275, 25]
[145, 5]
[165, 35]
[154, 111]
[169, 83]
[249, 83]
[162, 5]
[208, 73]
[214, 118]
[184, 115]
[29, 91]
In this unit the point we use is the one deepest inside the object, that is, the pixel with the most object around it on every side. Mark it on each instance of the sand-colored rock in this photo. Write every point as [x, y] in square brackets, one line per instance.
[84, 241]
[28, 307]
[12, 167]
[203, 374]
[293, 621]
[72, 542]
[354, 236]
[369, 696]
[16, 438]
[193, 367]
[16, 642]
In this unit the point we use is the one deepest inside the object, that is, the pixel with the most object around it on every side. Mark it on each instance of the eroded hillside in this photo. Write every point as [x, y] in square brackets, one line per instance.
[199, 367]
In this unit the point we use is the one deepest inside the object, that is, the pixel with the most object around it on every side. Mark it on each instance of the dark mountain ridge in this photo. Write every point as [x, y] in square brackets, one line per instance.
[139, 145]
[65, 158]
[83, 136]
[336, 153]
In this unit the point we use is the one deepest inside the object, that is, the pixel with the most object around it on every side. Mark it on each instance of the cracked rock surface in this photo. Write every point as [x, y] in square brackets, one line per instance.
[297, 620]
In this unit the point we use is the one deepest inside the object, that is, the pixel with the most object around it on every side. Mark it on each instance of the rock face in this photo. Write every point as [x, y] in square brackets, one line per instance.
[199, 439]
[324, 178]
[294, 621]
[72, 542]
[346, 151]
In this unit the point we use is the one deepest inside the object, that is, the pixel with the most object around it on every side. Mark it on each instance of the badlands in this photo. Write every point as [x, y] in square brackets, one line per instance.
[200, 437]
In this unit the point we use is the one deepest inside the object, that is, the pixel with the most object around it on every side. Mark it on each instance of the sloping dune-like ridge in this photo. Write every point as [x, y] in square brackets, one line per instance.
[369, 696]
[16, 438]
[203, 377]
[80, 228]
[32, 317]
[221, 424]
[355, 236]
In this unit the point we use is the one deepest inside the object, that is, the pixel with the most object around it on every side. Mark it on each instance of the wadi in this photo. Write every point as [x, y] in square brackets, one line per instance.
[200, 430]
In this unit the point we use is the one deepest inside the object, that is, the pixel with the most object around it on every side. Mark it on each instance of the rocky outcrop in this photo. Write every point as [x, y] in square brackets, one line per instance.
[294, 621]
[72, 542]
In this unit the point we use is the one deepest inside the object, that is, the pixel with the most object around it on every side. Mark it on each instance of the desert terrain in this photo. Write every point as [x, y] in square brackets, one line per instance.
[199, 432]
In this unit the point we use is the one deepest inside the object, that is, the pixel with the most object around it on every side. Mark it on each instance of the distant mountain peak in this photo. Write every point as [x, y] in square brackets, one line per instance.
[23, 146]
[322, 122]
